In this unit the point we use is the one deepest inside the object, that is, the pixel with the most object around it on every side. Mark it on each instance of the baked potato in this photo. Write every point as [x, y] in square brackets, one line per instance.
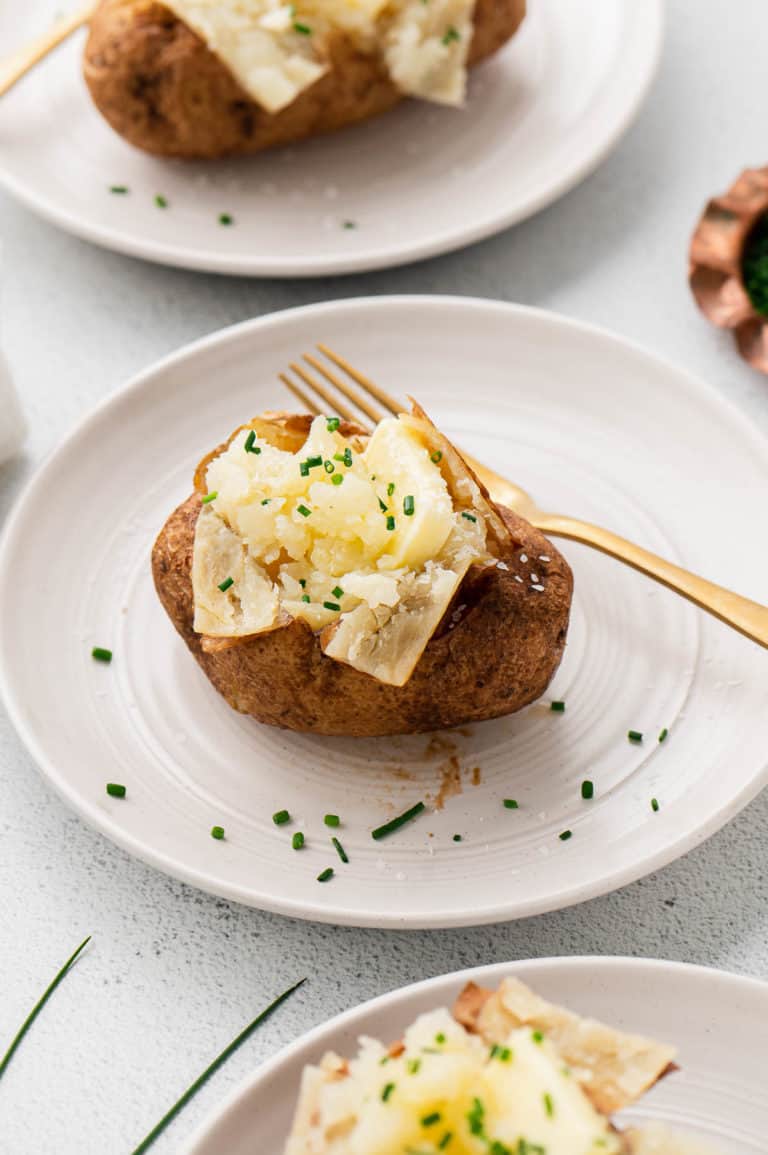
[504, 1073]
[338, 584]
[161, 87]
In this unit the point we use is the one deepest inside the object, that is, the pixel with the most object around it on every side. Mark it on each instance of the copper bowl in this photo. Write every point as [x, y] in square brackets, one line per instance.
[716, 264]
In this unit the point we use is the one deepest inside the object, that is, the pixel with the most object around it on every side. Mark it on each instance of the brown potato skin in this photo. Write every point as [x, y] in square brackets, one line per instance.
[165, 92]
[499, 656]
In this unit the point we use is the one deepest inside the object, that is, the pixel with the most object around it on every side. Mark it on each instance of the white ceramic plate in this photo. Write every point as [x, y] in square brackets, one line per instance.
[718, 1095]
[419, 181]
[583, 420]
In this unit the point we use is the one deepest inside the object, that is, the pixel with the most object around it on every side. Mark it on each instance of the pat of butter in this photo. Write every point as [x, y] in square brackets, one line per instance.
[277, 50]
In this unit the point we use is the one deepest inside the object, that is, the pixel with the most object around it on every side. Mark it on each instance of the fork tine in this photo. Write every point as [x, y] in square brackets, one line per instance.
[371, 387]
[304, 398]
[354, 395]
[334, 404]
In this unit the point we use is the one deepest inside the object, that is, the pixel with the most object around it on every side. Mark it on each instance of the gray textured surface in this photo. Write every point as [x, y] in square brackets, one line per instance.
[173, 974]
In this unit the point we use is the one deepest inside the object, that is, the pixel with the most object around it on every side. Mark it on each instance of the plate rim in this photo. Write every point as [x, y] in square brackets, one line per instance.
[491, 971]
[100, 819]
[452, 240]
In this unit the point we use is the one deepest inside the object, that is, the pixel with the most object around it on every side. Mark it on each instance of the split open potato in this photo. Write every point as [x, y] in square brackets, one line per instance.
[336, 583]
[211, 78]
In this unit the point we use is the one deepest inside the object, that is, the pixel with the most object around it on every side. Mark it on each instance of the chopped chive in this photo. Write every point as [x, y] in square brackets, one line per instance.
[332, 820]
[217, 832]
[390, 489]
[225, 219]
[119, 190]
[437, 457]
[340, 850]
[565, 835]
[469, 516]
[387, 1091]
[549, 1105]
[306, 598]
[409, 505]
[338, 457]
[303, 583]
[280, 817]
[332, 606]
[303, 469]
[663, 735]
[297, 841]
[413, 1066]
[325, 875]
[537, 1037]
[302, 29]
[266, 500]
[115, 790]
[457, 838]
[445, 1141]
[503, 1054]
[101, 655]
[654, 804]
[450, 35]
[511, 804]
[383, 506]
[17, 1038]
[634, 735]
[431, 1119]
[161, 201]
[332, 424]
[390, 522]
[302, 509]
[210, 497]
[313, 462]
[557, 707]
[337, 592]
[225, 585]
[347, 459]
[218, 1062]
[337, 478]
[249, 446]
[396, 823]
[329, 467]
[349, 225]
[587, 789]
[440, 1038]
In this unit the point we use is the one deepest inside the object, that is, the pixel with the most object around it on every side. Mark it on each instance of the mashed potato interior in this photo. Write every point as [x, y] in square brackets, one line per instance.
[509, 1099]
[363, 541]
[276, 50]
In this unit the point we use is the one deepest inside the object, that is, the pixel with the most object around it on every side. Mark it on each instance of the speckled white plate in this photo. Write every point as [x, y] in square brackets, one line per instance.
[584, 421]
[712, 1017]
[419, 181]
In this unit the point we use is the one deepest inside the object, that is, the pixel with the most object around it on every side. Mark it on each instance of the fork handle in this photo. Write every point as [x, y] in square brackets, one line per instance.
[748, 617]
[20, 63]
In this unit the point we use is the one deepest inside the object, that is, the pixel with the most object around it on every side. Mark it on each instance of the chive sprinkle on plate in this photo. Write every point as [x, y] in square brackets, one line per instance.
[340, 850]
[325, 875]
[217, 832]
[297, 841]
[557, 707]
[115, 790]
[663, 735]
[587, 789]
[17, 1038]
[511, 804]
[219, 1061]
[396, 823]
[280, 817]
[565, 835]
[332, 820]
[101, 655]
[634, 735]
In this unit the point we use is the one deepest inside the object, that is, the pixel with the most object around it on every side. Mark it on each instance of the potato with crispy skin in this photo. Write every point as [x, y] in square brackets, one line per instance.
[161, 87]
[468, 635]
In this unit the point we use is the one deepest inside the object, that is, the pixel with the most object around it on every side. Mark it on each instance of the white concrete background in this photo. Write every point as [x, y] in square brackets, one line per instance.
[173, 974]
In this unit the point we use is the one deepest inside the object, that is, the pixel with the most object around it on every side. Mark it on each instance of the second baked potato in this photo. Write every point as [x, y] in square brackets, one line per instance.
[396, 599]
[162, 88]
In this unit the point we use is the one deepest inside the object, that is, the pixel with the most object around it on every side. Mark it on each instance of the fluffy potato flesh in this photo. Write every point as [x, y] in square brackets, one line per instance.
[277, 50]
[516, 1096]
[366, 543]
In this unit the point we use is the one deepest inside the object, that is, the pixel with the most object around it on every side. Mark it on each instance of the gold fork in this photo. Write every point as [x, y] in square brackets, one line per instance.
[361, 394]
[19, 63]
